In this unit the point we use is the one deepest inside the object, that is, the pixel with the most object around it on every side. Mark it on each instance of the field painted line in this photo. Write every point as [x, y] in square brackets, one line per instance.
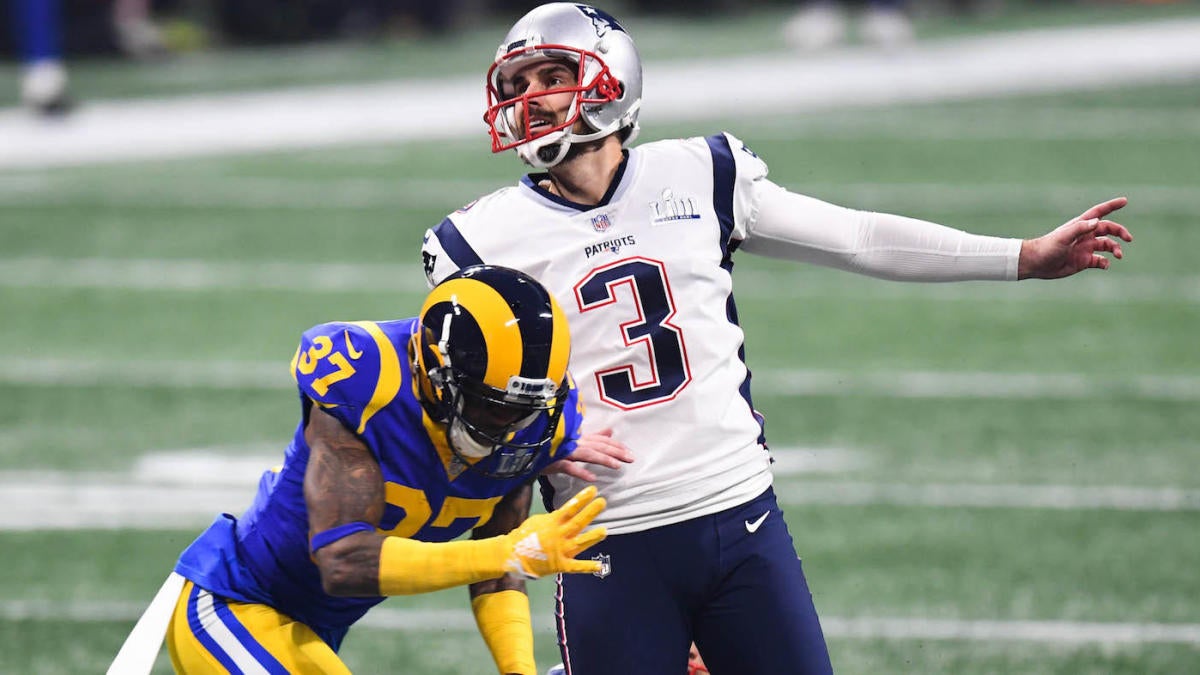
[186, 489]
[1066, 633]
[1030, 62]
[1052, 632]
[204, 275]
[160, 274]
[975, 385]
[219, 375]
[271, 375]
[40, 501]
[35, 190]
[251, 193]
[988, 496]
[997, 122]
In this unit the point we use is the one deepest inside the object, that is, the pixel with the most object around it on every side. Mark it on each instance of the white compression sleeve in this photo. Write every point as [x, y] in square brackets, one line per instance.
[795, 227]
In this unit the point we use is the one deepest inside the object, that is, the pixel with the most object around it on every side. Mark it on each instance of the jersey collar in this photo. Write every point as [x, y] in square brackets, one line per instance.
[615, 189]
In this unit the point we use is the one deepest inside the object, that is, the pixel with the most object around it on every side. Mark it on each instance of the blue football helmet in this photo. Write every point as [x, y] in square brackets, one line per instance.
[490, 355]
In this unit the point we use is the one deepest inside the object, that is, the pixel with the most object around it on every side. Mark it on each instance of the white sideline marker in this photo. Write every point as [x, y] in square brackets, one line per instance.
[1070, 633]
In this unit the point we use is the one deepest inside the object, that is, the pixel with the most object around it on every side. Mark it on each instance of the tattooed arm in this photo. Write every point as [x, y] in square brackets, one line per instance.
[343, 488]
[342, 485]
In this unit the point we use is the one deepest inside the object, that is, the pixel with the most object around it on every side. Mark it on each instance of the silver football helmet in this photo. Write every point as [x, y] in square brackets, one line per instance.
[607, 93]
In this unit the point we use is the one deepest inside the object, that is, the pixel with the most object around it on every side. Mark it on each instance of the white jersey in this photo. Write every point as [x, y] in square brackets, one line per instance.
[645, 280]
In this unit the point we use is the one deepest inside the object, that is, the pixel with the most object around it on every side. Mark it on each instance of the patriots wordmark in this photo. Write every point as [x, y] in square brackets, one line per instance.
[613, 245]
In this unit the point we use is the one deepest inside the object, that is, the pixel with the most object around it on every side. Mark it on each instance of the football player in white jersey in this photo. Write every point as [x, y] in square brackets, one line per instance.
[637, 245]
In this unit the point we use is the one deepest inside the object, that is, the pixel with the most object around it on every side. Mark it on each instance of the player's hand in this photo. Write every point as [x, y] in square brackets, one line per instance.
[548, 543]
[1076, 245]
[599, 448]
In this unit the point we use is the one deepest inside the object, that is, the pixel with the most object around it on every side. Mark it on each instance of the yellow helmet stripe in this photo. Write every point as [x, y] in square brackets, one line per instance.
[489, 308]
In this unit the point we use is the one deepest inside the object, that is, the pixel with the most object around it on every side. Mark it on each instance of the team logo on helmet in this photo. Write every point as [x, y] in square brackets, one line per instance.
[602, 21]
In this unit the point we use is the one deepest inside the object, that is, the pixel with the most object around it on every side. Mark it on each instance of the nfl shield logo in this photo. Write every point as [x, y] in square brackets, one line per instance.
[601, 222]
[605, 565]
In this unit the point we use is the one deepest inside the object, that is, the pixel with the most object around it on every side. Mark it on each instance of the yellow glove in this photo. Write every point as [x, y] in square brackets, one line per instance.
[543, 544]
[548, 543]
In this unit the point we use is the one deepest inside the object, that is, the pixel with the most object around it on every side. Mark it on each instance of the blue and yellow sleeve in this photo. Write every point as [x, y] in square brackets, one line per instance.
[349, 370]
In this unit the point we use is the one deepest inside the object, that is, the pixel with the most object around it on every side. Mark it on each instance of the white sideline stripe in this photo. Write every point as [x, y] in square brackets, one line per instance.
[71, 502]
[246, 193]
[976, 385]
[1009, 63]
[959, 495]
[802, 282]
[859, 628]
[184, 489]
[33, 190]
[203, 275]
[995, 123]
[220, 375]
[1091, 288]
[1054, 632]
[269, 375]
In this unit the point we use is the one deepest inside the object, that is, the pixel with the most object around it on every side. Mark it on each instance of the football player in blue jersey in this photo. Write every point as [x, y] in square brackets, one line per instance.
[412, 433]
[637, 243]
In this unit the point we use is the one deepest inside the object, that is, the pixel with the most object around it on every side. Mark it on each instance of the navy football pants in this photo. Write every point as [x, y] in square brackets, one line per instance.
[729, 581]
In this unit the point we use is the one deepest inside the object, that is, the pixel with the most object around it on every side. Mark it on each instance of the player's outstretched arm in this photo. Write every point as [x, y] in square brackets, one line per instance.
[542, 545]
[598, 448]
[1076, 245]
[343, 488]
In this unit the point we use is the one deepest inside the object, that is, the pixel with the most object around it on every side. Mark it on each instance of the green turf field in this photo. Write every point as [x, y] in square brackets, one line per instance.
[1008, 463]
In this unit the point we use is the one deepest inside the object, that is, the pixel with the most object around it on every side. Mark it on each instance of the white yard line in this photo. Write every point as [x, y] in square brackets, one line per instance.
[1052, 632]
[415, 620]
[162, 274]
[224, 375]
[40, 501]
[205, 275]
[988, 66]
[221, 375]
[996, 122]
[185, 489]
[49, 190]
[976, 385]
[988, 496]
[248, 193]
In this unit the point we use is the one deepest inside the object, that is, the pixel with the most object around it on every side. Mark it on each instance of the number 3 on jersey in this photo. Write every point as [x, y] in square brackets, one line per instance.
[650, 295]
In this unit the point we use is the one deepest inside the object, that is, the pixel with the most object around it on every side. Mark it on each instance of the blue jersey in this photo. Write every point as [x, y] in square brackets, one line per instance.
[358, 372]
